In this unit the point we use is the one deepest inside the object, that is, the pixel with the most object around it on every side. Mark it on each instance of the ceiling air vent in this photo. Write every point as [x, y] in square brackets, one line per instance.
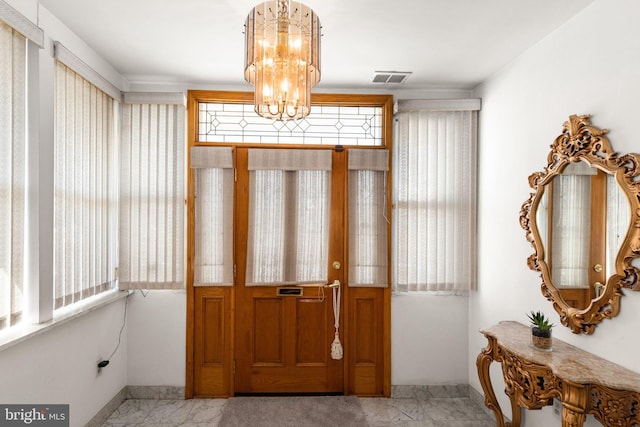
[390, 76]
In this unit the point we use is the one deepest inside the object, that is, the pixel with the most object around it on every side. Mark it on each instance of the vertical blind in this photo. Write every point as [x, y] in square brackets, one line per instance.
[152, 196]
[435, 201]
[85, 196]
[289, 213]
[368, 221]
[213, 171]
[12, 173]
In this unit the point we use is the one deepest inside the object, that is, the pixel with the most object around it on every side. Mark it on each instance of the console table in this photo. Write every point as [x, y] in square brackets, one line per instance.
[583, 382]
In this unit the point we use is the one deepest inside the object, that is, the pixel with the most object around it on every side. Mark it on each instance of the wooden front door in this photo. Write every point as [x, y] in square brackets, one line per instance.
[284, 331]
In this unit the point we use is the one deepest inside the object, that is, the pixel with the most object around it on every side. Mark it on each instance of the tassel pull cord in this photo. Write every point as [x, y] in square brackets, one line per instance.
[336, 346]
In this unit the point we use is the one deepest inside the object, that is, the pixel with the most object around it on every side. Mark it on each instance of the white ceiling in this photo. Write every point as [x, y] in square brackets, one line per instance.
[444, 43]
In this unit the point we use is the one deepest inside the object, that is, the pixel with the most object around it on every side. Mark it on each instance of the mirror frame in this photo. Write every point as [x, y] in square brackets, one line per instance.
[580, 141]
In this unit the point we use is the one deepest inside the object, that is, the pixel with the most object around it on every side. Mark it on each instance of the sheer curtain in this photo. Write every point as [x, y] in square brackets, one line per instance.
[13, 48]
[368, 221]
[571, 216]
[152, 193]
[289, 214]
[213, 261]
[434, 227]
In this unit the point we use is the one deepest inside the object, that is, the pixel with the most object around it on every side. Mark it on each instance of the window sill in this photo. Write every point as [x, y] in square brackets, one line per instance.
[20, 333]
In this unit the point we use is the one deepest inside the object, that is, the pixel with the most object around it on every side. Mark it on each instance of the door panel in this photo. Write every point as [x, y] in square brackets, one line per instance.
[311, 347]
[367, 332]
[285, 348]
[268, 331]
[212, 358]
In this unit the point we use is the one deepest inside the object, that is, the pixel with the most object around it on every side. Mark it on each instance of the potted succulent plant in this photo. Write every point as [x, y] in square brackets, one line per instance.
[540, 330]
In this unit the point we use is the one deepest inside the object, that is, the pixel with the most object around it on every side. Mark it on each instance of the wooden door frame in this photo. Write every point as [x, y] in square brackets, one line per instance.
[226, 295]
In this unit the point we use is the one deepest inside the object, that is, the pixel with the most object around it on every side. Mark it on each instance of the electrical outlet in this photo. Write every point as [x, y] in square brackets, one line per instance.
[557, 408]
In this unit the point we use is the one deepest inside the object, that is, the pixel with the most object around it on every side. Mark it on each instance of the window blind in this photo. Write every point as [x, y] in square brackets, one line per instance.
[434, 228]
[12, 173]
[152, 196]
[85, 198]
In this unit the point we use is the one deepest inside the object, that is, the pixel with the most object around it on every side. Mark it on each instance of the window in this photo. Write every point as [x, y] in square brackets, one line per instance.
[435, 200]
[152, 193]
[368, 221]
[13, 47]
[290, 195]
[214, 180]
[571, 215]
[85, 199]
[334, 120]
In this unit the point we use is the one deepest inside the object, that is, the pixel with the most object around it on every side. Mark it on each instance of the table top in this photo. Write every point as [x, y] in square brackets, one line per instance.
[565, 361]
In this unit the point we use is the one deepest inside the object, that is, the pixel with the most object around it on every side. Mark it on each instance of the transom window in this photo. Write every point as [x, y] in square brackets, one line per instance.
[326, 125]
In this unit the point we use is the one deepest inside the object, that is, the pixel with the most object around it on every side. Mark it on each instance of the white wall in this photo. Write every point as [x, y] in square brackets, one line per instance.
[589, 65]
[60, 365]
[156, 339]
[429, 339]
[28, 8]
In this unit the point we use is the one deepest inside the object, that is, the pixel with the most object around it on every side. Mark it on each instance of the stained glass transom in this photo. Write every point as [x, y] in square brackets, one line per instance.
[326, 125]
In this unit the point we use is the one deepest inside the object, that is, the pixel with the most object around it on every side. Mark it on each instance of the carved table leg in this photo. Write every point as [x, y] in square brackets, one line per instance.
[516, 412]
[571, 418]
[483, 362]
[575, 400]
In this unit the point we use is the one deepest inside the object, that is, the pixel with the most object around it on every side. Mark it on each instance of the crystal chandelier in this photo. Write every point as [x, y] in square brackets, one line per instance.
[282, 58]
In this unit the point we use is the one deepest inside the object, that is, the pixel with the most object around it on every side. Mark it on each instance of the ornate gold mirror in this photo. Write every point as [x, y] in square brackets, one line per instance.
[583, 221]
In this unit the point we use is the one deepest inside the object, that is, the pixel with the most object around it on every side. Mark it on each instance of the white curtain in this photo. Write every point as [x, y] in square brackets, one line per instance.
[434, 227]
[85, 200]
[152, 196]
[368, 219]
[12, 172]
[213, 261]
[571, 220]
[289, 214]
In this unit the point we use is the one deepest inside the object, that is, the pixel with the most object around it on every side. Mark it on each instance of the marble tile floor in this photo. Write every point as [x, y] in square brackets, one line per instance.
[408, 411]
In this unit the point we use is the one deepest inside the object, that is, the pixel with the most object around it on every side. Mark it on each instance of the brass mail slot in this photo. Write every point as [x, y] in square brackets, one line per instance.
[289, 292]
